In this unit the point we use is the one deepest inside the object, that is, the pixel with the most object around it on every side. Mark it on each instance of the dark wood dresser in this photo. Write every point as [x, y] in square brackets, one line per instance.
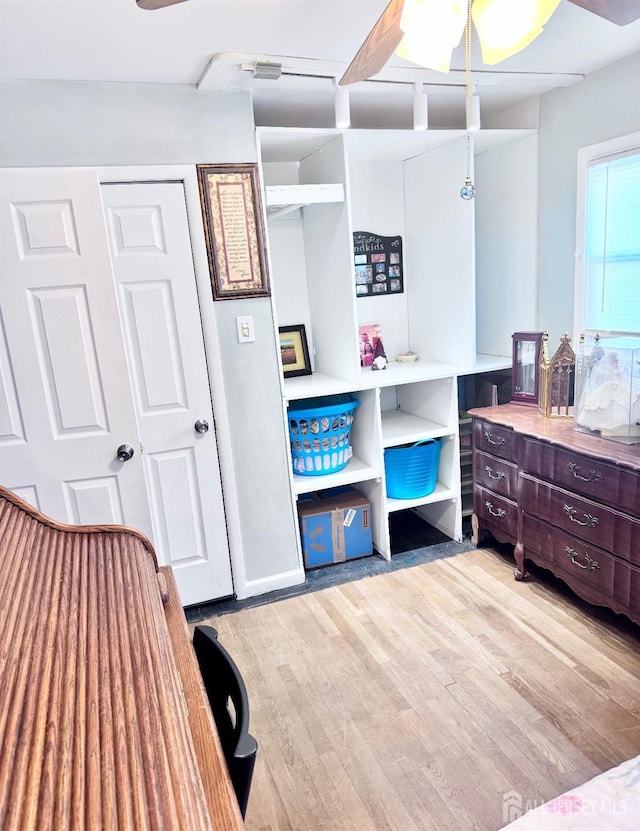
[566, 500]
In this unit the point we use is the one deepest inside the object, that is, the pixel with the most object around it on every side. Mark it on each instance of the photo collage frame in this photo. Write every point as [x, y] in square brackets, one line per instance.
[377, 264]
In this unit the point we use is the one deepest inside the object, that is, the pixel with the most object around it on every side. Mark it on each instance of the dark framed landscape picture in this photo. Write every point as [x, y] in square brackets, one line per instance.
[294, 351]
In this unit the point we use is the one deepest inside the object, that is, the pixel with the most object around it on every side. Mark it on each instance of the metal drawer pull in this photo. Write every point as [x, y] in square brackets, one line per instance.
[499, 512]
[589, 521]
[489, 471]
[499, 440]
[590, 565]
[594, 476]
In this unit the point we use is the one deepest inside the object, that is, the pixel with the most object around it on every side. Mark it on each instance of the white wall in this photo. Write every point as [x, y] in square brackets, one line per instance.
[377, 206]
[506, 180]
[440, 256]
[90, 124]
[81, 123]
[603, 106]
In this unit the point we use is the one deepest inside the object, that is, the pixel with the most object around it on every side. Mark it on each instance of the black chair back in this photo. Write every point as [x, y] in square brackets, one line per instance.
[230, 707]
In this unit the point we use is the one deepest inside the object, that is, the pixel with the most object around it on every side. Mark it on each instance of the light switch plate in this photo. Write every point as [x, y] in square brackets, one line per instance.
[244, 327]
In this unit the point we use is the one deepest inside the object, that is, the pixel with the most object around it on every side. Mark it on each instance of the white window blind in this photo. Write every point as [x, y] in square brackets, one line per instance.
[612, 245]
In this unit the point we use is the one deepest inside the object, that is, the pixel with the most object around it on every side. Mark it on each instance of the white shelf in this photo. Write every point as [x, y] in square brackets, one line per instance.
[438, 495]
[399, 373]
[399, 427]
[355, 471]
[282, 199]
[400, 145]
[313, 386]
[396, 374]
[294, 144]
[490, 363]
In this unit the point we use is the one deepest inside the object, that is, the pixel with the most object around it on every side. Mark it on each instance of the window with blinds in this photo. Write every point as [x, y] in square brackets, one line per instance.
[611, 254]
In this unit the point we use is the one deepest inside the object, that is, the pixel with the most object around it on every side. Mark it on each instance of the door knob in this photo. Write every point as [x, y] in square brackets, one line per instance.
[201, 426]
[124, 452]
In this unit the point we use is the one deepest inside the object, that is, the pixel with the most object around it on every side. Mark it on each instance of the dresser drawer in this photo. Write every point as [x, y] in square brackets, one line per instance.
[496, 440]
[604, 482]
[496, 513]
[585, 561]
[596, 524]
[592, 573]
[496, 474]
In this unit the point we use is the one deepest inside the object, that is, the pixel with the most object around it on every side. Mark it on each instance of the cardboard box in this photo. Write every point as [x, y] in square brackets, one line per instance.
[335, 527]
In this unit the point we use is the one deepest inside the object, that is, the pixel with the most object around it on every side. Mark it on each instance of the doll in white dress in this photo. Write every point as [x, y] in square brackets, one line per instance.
[610, 402]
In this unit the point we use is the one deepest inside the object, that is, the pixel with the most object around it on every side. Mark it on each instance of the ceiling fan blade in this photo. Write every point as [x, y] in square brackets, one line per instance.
[157, 4]
[378, 46]
[615, 11]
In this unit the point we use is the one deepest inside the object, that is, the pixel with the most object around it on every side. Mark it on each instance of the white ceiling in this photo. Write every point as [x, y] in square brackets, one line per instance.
[114, 40]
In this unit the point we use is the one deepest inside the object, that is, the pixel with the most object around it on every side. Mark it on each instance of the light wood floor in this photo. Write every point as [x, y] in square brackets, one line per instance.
[416, 699]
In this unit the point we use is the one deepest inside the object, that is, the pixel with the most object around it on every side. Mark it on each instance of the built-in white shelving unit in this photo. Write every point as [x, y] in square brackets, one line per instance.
[320, 187]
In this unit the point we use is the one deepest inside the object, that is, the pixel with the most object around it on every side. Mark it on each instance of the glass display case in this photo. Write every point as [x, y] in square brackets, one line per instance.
[607, 392]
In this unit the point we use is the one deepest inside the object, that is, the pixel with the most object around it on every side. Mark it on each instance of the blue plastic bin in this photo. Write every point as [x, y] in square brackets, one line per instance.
[320, 434]
[412, 470]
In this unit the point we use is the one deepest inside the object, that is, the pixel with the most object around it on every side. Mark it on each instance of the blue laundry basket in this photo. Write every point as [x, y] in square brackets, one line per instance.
[320, 434]
[412, 470]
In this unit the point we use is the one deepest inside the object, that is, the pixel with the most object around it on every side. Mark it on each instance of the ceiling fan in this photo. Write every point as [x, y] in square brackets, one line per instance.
[157, 4]
[387, 34]
[426, 31]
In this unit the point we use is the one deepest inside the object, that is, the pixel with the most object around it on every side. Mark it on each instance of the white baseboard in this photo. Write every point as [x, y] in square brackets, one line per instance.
[269, 584]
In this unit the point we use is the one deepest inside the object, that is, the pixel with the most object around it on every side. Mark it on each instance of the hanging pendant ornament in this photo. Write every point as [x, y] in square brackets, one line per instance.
[468, 190]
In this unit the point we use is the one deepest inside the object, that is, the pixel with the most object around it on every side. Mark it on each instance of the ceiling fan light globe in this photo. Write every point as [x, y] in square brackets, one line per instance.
[493, 54]
[506, 27]
[431, 56]
[432, 29]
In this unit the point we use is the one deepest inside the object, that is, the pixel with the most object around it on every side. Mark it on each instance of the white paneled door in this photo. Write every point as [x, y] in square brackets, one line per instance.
[65, 399]
[74, 391]
[154, 273]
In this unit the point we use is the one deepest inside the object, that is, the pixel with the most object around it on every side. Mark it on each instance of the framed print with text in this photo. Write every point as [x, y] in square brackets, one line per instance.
[234, 228]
